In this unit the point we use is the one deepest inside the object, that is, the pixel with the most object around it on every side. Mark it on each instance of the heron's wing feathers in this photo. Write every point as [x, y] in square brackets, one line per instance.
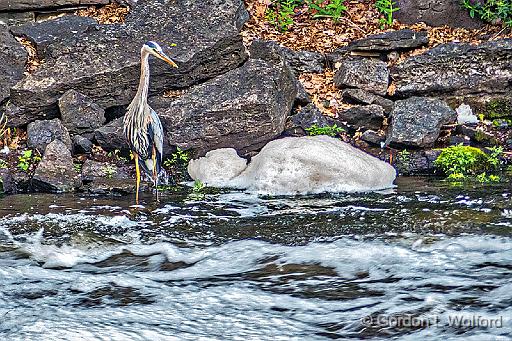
[156, 134]
[144, 133]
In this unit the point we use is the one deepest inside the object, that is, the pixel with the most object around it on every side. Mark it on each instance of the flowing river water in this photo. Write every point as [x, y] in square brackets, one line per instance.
[420, 262]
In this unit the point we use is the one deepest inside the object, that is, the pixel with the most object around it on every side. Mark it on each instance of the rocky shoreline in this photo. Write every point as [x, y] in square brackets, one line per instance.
[228, 95]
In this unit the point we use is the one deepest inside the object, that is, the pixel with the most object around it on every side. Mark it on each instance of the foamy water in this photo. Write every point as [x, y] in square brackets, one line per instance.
[234, 266]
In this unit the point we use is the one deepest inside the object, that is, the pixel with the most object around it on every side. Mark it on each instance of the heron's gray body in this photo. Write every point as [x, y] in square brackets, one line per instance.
[142, 127]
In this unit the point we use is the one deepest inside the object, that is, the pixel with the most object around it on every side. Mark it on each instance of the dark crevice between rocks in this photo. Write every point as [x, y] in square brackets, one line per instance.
[33, 60]
[114, 112]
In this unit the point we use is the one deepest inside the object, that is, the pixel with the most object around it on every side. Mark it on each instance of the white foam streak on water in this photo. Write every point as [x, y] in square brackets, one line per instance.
[221, 311]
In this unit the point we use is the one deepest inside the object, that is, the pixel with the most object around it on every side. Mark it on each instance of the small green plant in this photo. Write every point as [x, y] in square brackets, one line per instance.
[109, 171]
[77, 167]
[327, 130]
[116, 155]
[26, 159]
[484, 178]
[495, 155]
[456, 177]
[328, 9]
[404, 156]
[387, 8]
[492, 11]
[280, 13]
[3, 164]
[198, 186]
[180, 156]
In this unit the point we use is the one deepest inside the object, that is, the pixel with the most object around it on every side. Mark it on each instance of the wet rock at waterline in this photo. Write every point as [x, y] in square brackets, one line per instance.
[369, 74]
[108, 178]
[7, 183]
[244, 109]
[95, 170]
[13, 57]
[417, 121]
[103, 62]
[456, 69]
[301, 165]
[42, 133]
[55, 172]
[79, 114]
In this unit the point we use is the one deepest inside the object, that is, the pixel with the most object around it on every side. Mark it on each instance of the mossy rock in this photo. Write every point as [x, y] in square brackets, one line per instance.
[498, 108]
[464, 160]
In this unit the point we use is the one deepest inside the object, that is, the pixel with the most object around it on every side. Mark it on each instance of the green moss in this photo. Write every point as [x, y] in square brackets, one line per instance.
[462, 160]
[502, 123]
[327, 130]
[498, 108]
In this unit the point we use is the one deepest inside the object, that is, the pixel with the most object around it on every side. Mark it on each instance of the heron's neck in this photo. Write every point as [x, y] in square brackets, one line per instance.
[142, 92]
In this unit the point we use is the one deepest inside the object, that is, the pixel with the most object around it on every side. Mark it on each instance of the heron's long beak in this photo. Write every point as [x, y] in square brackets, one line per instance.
[166, 59]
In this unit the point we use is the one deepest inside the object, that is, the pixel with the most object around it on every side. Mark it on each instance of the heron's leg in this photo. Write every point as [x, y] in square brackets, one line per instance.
[137, 175]
[155, 174]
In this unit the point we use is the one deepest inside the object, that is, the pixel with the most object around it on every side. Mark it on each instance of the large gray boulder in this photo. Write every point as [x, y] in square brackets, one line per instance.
[390, 41]
[417, 122]
[41, 133]
[299, 61]
[55, 172]
[363, 73]
[103, 61]
[456, 69]
[79, 114]
[16, 5]
[242, 109]
[50, 37]
[12, 62]
[435, 13]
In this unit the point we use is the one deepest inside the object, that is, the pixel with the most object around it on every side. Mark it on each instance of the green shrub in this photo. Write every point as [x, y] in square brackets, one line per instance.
[333, 9]
[498, 108]
[492, 11]
[280, 13]
[26, 159]
[331, 131]
[387, 8]
[460, 162]
[180, 156]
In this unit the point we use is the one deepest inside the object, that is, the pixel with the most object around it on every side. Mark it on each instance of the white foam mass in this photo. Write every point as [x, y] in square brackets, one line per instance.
[217, 167]
[297, 165]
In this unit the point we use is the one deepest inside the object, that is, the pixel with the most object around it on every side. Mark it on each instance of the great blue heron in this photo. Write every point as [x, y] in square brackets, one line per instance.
[142, 127]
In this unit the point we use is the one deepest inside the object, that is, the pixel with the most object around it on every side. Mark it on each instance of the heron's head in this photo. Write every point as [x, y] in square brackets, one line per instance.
[153, 48]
